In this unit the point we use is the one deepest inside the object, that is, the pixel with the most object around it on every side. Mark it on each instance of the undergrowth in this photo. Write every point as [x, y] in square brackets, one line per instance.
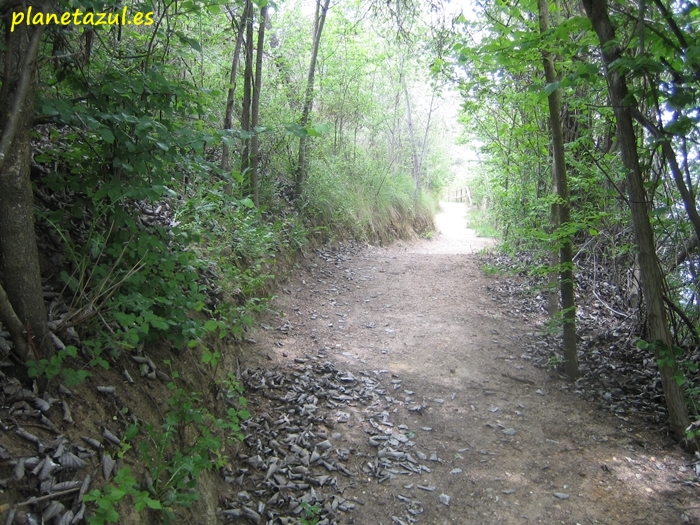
[174, 454]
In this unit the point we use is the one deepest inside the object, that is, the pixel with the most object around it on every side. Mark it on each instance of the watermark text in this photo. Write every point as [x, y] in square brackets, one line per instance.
[79, 18]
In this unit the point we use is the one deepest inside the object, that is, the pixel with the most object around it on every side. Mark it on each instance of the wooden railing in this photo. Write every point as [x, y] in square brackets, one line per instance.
[460, 195]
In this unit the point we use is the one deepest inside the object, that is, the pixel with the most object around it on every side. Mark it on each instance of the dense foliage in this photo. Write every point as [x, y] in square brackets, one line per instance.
[498, 62]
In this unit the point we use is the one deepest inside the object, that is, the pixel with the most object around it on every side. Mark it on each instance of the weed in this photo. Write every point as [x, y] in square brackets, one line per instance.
[123, 485]
[174, 454]
[53, 366]
[311, 514]
[554, 362]
[490, 269]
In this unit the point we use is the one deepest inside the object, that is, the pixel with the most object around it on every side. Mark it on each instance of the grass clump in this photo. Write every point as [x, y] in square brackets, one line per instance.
[365, 201]
[483, 223]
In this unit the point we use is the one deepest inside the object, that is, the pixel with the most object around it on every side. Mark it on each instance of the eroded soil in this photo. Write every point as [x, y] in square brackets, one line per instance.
[512, 446]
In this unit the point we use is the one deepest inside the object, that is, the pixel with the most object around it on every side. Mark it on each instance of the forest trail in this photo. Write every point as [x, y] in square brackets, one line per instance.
[496, 440]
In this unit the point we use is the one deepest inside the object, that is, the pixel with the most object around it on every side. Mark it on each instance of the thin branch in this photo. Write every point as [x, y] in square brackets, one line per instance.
[664, 140]
[32, 501]
[672, 24]
[621, 314]
[686, 320]
[607, 175]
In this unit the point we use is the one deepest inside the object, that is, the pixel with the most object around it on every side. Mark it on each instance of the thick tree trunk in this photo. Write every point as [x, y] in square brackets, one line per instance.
[652, 280]
[228, 118]
[309, 98]
[19, 257]
[566, 265]
[255, 113]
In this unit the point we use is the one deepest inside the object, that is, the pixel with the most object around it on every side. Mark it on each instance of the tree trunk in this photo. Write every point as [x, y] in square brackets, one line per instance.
[424, 147]
[552, 280]
[652, 280]
[566, 265]
[309, 98]
[19, 257]
[414, 146]
[255, 116]
[247, 94]
[228, 118]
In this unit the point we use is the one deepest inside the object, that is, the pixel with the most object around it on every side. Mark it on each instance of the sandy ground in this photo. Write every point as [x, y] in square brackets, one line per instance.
[512, 443]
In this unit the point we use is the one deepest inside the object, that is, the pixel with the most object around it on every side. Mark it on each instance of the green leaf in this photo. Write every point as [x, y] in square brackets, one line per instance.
[153, 504]
[160, 323]
[551, 88]
[116, 494]
[296, 130]
[322, 129]
[187, 40]
[107, 135]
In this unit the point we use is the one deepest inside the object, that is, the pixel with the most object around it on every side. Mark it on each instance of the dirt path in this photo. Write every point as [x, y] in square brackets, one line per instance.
[509, 443]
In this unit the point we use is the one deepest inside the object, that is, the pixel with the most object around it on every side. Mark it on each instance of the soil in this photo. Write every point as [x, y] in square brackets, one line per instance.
[510, 443]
